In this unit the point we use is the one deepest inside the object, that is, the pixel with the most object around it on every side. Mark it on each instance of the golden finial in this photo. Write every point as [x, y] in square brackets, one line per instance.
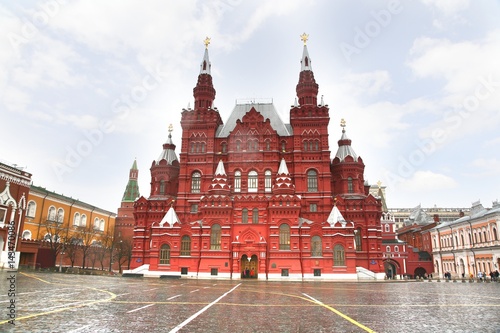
[342, 122]
[206, 42]
[304, 37]
[170, 128]
[379, 183]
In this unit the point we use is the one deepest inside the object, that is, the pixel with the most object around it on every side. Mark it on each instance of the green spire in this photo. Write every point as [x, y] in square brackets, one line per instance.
[132, 189]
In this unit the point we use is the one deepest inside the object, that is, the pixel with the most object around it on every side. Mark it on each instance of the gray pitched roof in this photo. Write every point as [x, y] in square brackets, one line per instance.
[267, 110]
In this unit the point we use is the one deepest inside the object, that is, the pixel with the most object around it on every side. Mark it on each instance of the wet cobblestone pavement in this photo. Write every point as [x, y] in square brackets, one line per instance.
[52, 302]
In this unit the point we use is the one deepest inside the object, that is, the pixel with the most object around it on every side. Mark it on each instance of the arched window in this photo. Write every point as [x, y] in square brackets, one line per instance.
[165, 254]
[357, 237]
[338, 255]
[316, 247]
[60, 215]
[268, 145]
[185, 246]
[305, 145]
[244, 215]
[196, 182]
[268, 181]
[224, 147]
[237, 181]
[284, 237]
[76, 219]
[31, 210]
[52, 213]
[350, 188]
[462, 239]
[387, 249]
[484, 234]
[387, 228]
[252, 181]
[26, 234]
[238, 145]
[83, 220]
[495, 234]
[96, 224]
[283, 146]
[215, 235]
[101, 225]
[162, 186]
[255, 216]
[396, 248]
[312, 181]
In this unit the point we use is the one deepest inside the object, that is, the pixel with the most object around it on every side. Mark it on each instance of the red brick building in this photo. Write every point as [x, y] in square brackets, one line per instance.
[255, 197]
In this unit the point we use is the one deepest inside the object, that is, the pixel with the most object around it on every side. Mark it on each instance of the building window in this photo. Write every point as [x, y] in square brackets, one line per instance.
[268, 181]
[194, 208]
[284, 272]
[238, 145]
[165, 254]
[162, 186]
[313, 207]
[312, 181]
[255, 216]
[196, 182]
[495, 234]
[60, 215]
[224, 147]
[317, 272]
[387, 249]
[357, 238]
[215, 235]
[237, 181]
[185, 246]
[386, 228]
[396, 248]
[184, 270]
[76, 219]
[96, 224]
[252, 181]
[26, 234]
[284, 237]
[214, 271]
[244, 216]
[283, 146]
[31, 210]
[305, 145]
[338, 256]
[268, 145]
[316, 247]
[350, 188]
[52, 213]
[83, 221]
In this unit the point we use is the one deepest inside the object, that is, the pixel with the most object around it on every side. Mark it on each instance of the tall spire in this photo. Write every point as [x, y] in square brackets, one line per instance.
[307, 88]
[132, 189]
[204, 92]
[168, 152]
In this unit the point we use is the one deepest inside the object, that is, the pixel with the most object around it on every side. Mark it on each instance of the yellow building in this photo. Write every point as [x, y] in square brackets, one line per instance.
[59, 221]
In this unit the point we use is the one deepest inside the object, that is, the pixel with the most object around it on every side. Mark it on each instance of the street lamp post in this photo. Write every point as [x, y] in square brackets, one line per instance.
[61, 259]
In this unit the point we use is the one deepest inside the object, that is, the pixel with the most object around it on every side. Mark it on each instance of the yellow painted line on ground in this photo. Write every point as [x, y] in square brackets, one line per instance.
[112, 296]
[349, 319]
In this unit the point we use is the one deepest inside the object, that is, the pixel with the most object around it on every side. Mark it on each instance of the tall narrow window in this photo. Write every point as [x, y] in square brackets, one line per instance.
[238, 145]
[284, 237]
[196, 182]
[268, 145]
[268, 181]
[83, 221]
[252, 181]
[224, 147]
[312, 181]
[305, 145]
[237, 181]
[316, 247]
[244, 215]
[31, 211]
[52, 214]
[60, 215]
[76, 219]
[350, 188]
[165, 254]
[338, 256]
[495, 234]
[283, 145]
[215, 235]
[357, 237]
[255, 216]
[162, 186]
[185, 246]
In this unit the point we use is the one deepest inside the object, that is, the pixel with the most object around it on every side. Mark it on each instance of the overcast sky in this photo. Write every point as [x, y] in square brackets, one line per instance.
[86, 87]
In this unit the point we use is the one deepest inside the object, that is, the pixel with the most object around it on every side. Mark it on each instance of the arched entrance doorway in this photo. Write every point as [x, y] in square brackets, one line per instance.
[390, 269]
[420, 272]
[249, 267]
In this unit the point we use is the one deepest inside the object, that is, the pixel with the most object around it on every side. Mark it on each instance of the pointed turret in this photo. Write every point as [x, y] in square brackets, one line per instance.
[204, 92]
[219, 183]
[165, 170]
[283, 183]
[132, 189]
[347, 168]
[307, 88]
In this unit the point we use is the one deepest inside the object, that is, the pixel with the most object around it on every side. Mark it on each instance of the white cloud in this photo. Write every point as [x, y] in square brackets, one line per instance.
[371, 83]
[428, 181]
[448, 7]
[487, 166]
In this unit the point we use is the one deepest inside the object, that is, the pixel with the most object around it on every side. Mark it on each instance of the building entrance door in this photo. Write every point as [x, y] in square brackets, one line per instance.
[249, 268]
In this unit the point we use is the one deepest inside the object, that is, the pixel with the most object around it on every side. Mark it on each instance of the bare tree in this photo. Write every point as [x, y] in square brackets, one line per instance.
[106, 249]
[57, 234]
[86, 235]
[123, 253]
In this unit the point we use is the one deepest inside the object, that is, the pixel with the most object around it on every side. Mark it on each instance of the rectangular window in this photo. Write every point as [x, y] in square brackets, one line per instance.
[184, 270]
[194, 208]
[313, 207]
[317, 272]
[3, 214]
[284, 272]
[214, 271]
